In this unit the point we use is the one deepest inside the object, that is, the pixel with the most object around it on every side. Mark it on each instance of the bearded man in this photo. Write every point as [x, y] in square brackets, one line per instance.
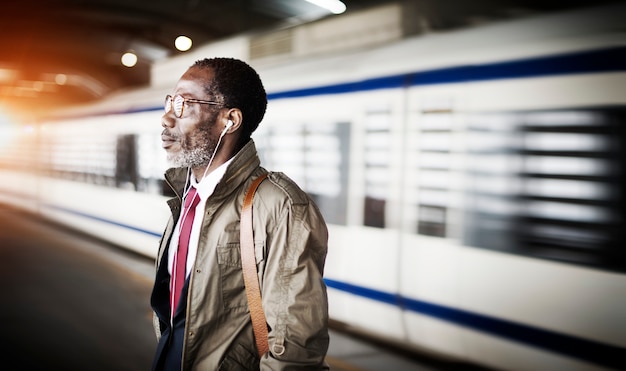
[201, 312]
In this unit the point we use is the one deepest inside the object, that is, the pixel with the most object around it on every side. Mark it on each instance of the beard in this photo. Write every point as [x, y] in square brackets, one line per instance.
[196, 149]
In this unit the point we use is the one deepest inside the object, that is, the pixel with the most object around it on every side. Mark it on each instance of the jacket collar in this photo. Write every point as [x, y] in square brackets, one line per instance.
[240, 169]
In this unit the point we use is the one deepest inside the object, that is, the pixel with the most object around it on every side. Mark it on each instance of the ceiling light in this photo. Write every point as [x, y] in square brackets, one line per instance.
[183, 43]
[129, 59]
[333, 6]
[60, 78]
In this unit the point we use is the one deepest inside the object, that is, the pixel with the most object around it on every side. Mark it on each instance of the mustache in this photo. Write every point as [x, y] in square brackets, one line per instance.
[170, 135]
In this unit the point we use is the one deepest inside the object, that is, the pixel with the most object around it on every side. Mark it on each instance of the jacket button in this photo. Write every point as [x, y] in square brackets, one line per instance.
[198, 270]
[191, 334]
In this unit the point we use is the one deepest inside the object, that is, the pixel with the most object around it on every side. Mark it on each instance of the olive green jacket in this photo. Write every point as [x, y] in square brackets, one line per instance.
[290, 238]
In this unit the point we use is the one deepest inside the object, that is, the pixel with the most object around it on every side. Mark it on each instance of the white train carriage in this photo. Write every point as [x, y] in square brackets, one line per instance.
[472, 182]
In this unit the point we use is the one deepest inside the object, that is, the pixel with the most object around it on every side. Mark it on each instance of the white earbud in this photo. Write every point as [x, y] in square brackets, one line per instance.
[219, 141]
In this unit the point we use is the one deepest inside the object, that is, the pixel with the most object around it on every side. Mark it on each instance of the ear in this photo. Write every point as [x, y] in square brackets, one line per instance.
[235, 117]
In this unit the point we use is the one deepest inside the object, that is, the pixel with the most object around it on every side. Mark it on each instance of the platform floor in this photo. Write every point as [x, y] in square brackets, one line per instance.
[71, 302]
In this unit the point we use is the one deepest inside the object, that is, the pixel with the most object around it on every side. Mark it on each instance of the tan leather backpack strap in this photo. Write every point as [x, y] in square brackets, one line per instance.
[248, 265]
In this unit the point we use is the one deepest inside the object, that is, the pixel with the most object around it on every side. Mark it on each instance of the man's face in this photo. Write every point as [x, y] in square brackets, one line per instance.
[190, 140]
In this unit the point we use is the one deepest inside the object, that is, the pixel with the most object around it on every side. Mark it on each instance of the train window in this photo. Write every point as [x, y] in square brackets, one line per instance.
[559, 192]
[430, 176]
[126, 174]
[374, 212]
[315, 157]
[129, 161]
[376, 155]
[78, 155]
[432, 220]
[151, 162]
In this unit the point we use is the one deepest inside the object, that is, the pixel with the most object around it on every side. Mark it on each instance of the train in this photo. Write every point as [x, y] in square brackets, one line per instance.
[472, 180]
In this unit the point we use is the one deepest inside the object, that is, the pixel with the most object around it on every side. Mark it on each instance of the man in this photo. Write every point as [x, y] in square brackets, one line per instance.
[208, 121]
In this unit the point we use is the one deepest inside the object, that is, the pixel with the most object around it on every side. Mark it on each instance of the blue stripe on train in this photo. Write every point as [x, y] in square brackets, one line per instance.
[104, 220]
[571, 346]
[603, 60]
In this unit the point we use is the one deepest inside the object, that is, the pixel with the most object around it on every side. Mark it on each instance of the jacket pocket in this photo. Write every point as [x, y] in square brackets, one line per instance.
[239, 358]
[231, 276]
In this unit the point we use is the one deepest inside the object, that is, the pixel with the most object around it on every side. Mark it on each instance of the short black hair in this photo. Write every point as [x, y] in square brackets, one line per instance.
[241, 87]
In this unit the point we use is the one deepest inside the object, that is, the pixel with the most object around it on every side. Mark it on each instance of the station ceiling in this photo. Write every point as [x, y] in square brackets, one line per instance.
[60, 52]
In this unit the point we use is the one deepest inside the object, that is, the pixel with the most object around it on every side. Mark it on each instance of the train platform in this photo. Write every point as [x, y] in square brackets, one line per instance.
[72, 302]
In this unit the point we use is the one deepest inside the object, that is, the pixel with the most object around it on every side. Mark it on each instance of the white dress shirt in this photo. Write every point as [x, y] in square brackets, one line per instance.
[205, 189]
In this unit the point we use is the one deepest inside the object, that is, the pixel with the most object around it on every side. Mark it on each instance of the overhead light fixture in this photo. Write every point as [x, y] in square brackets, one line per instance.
[333, 6]
[60, 78]
[183, 43]
[129, 59]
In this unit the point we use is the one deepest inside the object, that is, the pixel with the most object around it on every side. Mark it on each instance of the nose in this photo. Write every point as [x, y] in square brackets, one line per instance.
[167, 121]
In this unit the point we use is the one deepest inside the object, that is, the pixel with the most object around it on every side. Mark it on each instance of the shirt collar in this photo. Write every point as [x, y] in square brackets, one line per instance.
[207, 185]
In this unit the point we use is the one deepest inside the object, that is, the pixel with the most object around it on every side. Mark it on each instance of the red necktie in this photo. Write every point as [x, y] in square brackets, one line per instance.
[180, 257]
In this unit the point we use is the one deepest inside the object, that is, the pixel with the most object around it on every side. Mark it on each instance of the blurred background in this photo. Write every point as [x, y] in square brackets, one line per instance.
[467, 157]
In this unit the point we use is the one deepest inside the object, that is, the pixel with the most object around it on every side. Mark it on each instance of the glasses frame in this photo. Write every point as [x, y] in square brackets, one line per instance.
[169, 103]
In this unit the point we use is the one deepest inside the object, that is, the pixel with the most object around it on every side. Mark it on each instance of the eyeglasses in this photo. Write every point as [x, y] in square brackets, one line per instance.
[178, 102]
